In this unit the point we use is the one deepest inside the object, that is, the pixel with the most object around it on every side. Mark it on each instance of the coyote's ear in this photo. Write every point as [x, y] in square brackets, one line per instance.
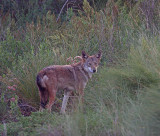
[99, 55]
[84, 55]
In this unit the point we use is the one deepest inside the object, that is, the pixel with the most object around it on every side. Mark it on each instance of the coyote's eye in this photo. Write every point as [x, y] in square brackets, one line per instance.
[95, 63]
[89, 64]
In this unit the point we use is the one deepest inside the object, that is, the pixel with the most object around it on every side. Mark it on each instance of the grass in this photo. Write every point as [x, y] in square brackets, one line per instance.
[107, 110]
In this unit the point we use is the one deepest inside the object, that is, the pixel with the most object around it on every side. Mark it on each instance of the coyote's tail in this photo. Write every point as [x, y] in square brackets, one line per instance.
[42, 91]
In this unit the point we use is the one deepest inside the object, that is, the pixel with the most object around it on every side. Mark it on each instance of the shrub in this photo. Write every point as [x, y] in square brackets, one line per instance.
[32, 125]
[3, 108]
[10, 50]
[28, 11]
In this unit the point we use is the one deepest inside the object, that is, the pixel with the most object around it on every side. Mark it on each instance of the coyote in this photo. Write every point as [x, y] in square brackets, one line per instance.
[66, 77]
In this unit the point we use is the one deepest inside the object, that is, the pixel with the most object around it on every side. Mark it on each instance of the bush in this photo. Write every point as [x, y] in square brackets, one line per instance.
[10, 50]
[3, 108]
[32, 125]
[29, 11]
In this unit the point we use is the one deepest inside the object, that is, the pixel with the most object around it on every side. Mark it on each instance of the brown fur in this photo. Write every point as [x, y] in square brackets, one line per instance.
[65, 77]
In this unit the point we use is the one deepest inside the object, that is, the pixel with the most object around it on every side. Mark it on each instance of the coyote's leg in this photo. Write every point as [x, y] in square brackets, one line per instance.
[43, 99]
[65, 100]
[81, 95]
[52, 95]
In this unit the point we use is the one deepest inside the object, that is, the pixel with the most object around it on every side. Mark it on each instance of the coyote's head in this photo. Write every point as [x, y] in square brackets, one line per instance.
[91, 63]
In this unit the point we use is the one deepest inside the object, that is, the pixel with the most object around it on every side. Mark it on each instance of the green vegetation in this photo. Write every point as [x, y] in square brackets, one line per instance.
[123, 97]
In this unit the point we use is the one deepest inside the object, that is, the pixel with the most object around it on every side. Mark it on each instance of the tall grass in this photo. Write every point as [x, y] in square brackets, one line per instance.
[119, 101]
[26, 70]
